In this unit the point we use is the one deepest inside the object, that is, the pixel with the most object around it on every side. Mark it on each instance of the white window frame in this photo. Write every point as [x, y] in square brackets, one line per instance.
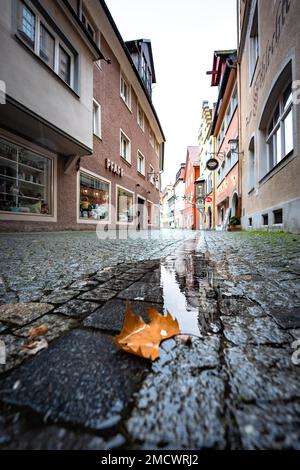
[127, 101]
[141, 122]
[254, 48]
[79, 219]
[156, 147]
[98, 117]
[58, 43]
[125, 137]
[139, 154]
[151, 176]
[133, 202]
[45, 153]
[151, 137]
[280, 129]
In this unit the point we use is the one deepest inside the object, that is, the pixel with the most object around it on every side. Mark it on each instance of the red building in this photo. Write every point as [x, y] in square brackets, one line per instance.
[192, 172]
[224, 128]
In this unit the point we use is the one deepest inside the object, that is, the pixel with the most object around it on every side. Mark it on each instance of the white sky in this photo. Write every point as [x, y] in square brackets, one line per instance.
[184, 34]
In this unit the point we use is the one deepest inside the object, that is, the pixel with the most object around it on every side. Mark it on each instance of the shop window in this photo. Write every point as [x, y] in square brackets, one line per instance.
[124, 205]
[265, 219]
[278, 218]
[26, 179]
[94, 198]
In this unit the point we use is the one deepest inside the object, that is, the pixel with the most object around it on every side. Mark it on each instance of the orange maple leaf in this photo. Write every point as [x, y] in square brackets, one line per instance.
[143, 339]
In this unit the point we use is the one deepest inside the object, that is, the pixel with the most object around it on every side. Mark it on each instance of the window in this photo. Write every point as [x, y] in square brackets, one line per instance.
[140, 163]
[151, 174]
[27, 24]
[96, 118]
[228, 162]
[26, 180]
[280, 139]
[64, 67]
[250, 221]
[140, 117]
[124, 205]
[125, 151]
[156, 146]
[278, 219]
[87, 23]
[251, 165]
[125, 91]
[151, 138]
[94, 198]
[47, 45]
[234, 100]
[265, 219]
[253, 44]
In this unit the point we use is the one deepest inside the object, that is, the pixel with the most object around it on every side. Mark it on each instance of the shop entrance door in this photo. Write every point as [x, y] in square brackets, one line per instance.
[141, 214]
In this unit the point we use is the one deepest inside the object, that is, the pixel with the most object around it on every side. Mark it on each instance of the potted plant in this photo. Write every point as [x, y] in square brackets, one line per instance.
[234, 224]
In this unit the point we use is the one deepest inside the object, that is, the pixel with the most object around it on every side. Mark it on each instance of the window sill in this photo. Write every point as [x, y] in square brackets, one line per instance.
[49, 69]
[98, 137]
[287, 159]
[141, 174]
[126, 104]
[251, 191]
[125, 161]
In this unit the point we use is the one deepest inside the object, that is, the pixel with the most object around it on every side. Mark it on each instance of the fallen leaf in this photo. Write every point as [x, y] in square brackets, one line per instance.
[143, 339]
[38, 331]
[35, 346]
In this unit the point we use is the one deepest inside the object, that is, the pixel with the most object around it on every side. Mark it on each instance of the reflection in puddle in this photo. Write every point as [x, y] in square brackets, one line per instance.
[180, 277]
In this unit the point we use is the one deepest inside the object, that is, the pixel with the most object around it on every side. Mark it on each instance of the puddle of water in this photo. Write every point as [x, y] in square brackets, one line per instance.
[180, 282]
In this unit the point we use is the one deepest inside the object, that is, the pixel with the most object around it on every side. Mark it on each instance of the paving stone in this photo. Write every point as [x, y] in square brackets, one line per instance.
[21, 314]
[262, 373]
[3, 328]
[111, 316]
[245, 330]
[117, 284]
[287, 317]
[59, 296]
[15, 354]
[152, 277]
[84, 284]
[269, 426]
[100, 294]
[142, 291]
[77, 308]
[81, 379]
[103, 276]
[182, 405]
[57, 324]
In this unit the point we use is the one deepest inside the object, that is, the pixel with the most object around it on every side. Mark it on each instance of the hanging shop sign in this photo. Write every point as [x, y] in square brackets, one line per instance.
[113, 167]
[212, 164]
[208, 199]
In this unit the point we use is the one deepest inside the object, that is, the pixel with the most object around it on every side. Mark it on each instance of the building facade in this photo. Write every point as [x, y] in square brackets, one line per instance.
[168, 205]
[179, 202]
[192, 173]
[224, 128]
[269, 65]
[81, 143]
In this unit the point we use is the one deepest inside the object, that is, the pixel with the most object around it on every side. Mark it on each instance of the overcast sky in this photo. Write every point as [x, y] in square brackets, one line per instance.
[184, 34]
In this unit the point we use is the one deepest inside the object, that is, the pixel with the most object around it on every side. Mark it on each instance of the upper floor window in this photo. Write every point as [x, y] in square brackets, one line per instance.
[96, 118]
[140, 163]
[140, 117]
[87, 23]
[151, 137]
[156, 146]
[151, 174]
[253, 44]
[280, 139]
[125, 148]
[46, 44]
[125, 91]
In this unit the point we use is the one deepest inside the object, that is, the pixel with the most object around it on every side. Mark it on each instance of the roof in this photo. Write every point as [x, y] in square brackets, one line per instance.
[126, 51]
[193, 154]
[135, 43]
[217, 65]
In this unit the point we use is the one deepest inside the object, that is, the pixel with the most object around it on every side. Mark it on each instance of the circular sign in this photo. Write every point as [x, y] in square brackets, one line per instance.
[208, 199]
[212, 164]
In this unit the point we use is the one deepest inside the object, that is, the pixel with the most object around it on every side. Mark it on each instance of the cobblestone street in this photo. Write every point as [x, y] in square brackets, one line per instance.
[234, 387]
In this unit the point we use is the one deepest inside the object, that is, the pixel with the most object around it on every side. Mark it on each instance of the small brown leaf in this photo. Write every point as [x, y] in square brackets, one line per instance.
[35, 346]
[37, 331]
[143, 339]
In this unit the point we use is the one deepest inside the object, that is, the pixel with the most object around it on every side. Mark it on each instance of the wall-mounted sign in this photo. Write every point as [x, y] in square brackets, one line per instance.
[113, 167]
[212, 164]
[208, 199]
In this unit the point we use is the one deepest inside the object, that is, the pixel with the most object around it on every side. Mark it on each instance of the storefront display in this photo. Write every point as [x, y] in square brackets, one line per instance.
[94, 198]
[25, 180]
[124, 205]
